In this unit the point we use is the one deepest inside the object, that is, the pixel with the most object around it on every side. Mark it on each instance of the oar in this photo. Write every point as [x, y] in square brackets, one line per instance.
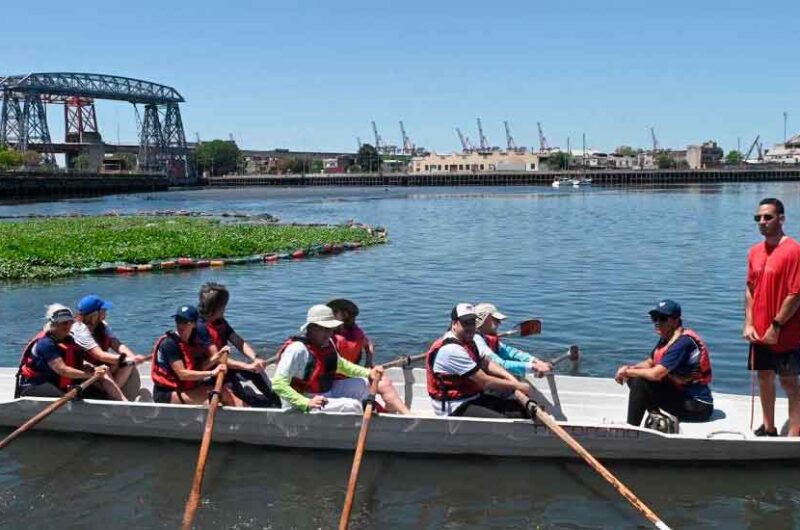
[548, 420]
[344, 521]
[49, 410]
[573, 354]
[524, 328]
[205, 445]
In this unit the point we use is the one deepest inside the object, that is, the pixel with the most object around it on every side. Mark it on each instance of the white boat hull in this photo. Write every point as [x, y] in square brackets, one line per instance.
[584, 401]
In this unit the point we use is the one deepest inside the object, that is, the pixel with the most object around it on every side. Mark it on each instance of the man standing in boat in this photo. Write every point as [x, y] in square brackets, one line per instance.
[676, 376]
[462, 381]
[771, 319]
[516, 362]
[214, 329]
[308, 364]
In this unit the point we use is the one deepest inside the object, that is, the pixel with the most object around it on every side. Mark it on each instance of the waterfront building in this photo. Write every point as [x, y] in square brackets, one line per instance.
[476, 162]
[708, 154]
[785, 153]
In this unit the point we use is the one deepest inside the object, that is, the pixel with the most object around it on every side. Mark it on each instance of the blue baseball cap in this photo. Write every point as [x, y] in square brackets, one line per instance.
[667, 308]
[186, 313]
[91, 303]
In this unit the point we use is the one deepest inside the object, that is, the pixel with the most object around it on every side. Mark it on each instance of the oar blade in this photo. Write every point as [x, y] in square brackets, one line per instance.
[530, 327]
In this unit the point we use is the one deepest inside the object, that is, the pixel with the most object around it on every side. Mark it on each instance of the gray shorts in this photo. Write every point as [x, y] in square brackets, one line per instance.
[762, 357]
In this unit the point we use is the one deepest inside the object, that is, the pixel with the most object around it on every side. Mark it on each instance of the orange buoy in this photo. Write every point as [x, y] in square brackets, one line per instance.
[217, 263]
[186, 263]
[144, 268]
[125, 270]
[300, 253]
[168, 264]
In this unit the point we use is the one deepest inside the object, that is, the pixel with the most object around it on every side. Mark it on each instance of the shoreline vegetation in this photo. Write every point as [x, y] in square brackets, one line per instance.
[40, 249]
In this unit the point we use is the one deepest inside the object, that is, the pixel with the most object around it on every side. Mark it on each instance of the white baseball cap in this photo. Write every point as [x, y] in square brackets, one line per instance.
[321, 315]
[57, 313]
[463, 311]
[484, 309]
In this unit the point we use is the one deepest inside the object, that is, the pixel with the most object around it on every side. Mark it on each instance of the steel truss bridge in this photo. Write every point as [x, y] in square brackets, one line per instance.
[23, 118]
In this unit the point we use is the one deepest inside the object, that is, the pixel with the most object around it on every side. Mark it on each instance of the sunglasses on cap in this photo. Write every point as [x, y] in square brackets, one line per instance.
[767, 217]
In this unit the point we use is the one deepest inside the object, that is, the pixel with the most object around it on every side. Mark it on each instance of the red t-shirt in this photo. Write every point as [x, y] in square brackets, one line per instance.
[772, 275]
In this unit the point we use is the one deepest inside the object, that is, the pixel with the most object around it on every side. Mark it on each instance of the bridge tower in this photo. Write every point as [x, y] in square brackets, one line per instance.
[151, 140]
[175, 149]
[35, 133]
[10, 119]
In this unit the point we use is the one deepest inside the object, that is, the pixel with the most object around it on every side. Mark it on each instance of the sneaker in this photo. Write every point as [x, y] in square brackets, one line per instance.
[762, 431]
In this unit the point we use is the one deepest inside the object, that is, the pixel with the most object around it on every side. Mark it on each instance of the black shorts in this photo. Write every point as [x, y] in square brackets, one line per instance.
[762, 357]
[162, 394]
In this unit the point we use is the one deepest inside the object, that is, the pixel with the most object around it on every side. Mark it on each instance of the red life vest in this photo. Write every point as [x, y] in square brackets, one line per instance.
[492, 340]
[320, 369]
[101, 336]
[448, 387]
[351, 343]
[70, 352]
[162, 373]
[215, 332]
[702, 374]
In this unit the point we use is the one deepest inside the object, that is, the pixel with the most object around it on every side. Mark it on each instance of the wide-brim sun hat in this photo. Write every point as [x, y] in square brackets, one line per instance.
[321, 315]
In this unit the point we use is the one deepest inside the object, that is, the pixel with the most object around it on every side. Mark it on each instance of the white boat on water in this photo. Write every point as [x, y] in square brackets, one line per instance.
[590, 409]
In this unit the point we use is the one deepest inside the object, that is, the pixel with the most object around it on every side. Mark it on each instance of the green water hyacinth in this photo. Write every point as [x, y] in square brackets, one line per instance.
[50, 248]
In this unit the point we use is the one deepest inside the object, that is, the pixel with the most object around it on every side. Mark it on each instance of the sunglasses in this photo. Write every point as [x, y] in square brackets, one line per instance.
[659, 318]
[767, 217]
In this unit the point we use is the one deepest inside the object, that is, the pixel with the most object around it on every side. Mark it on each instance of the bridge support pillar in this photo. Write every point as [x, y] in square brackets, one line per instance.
[35, 133]
[175, 151]
[151, 141]
[10, 119]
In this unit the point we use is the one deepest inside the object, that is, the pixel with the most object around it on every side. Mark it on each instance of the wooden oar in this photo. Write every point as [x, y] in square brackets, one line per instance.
[205, 445]
[344, 520]
[573, 354]
[49, 410]
[524, 328]
[592, 461]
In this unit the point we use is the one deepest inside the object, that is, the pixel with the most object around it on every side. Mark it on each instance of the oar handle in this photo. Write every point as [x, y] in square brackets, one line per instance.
[344, 520]
[49, 410]
[548, 420]
[573, 354]
[194, 496]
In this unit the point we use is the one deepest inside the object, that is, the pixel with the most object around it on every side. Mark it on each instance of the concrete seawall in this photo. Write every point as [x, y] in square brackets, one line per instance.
[603, 178]
[48, 185]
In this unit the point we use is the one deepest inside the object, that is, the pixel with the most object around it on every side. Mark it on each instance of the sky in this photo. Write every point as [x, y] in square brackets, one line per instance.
[311, 75]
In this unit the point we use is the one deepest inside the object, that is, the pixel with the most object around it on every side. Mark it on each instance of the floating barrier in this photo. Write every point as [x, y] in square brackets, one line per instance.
[298, 254]
[217, 262]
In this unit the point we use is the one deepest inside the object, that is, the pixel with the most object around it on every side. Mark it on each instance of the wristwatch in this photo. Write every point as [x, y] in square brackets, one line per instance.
[776, 324]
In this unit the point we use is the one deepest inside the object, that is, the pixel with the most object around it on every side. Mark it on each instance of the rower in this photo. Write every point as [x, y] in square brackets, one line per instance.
[351, 341]
[92, 333]
[308, 364]
[676, 376]
[213, 328]
[182, 372]
[462, 381]
[517, 362]
[52, 362]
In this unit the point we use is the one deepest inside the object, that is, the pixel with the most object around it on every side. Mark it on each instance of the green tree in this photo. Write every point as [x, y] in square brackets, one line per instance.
[734, 158]
[625, 150]
[80, 163]
[368, 158]
[10, 158]
[559, 160]
[218, 157]
[664, 161]
[316, 166]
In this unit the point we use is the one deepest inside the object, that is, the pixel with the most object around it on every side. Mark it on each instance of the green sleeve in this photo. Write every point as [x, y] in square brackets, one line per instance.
[283, 387]
[345, 367]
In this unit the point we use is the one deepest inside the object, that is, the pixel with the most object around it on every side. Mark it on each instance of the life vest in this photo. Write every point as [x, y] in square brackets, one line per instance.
[701, 373]
[101, 336]
[492, 340]
[215, 332]
[448, 387]
[162, 373]
[320, 369]
[70, 352]
[351, 343]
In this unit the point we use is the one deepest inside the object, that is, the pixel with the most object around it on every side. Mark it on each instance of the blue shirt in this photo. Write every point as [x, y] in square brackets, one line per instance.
[514, 360]
[44, 351]
[682, 359]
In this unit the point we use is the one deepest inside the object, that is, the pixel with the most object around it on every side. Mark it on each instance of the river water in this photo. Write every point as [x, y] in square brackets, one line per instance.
[589, 262]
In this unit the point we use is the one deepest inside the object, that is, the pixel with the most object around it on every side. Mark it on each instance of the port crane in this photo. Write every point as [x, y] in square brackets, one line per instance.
[656, 147]
[378, 139]
[542, 140]
[510, 143]
[358, 139]
[482, 137]
[755, 145]
[466, 145]
[408, 147]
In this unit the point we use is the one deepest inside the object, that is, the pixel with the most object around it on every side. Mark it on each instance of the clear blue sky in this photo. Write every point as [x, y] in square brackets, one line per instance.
[311, 75]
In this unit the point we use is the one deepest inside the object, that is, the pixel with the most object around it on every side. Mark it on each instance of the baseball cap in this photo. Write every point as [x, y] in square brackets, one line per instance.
[668, 308]
[186, 313]
[321, 315]
[484, 309]
[463, 311]
[91, 303]
[57, 313]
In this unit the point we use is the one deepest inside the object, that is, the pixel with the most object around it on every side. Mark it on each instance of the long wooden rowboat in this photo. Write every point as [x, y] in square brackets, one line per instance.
[591, 409]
